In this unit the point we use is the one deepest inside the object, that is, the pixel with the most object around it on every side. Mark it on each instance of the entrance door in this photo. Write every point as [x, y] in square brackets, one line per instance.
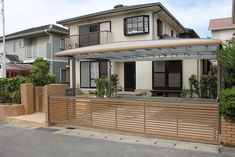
[129, 76]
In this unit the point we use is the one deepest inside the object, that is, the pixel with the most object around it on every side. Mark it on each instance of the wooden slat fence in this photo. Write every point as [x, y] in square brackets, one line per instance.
[186, 121]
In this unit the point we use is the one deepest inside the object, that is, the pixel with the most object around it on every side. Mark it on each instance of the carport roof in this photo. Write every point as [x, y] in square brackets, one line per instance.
[147, 50]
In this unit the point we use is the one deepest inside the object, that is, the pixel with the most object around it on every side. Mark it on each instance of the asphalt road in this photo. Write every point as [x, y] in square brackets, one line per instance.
[22, 142]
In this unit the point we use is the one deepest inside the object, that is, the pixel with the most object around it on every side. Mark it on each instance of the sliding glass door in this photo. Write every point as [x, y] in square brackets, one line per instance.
[89, 71]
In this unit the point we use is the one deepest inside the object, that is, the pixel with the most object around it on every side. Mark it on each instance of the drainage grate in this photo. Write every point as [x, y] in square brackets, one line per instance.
[70, 128]
[47, 129]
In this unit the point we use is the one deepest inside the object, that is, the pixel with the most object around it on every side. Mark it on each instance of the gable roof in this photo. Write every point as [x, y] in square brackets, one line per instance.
[37, 31]
[121, 9]
[221, 24]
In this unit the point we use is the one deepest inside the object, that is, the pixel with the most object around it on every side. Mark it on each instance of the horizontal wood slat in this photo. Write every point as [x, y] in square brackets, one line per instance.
[188, 121]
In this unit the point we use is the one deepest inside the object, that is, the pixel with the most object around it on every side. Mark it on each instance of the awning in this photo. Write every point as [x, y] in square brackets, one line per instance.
[164, 49]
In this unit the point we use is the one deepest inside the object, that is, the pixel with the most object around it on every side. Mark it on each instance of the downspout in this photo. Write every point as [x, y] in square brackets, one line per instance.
[51, 43]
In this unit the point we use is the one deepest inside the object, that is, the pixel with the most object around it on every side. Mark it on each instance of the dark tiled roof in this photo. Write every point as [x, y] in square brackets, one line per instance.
[12, 58]
[190, 34]
[37, 30]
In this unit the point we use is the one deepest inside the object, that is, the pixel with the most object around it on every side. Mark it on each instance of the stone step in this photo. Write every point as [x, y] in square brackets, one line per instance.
[14, 120]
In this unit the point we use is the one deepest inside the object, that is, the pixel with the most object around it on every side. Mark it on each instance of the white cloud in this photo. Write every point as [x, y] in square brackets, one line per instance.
[23, 14]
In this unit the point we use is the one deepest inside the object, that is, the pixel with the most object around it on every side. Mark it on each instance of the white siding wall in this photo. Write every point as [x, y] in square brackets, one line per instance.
[223, 34]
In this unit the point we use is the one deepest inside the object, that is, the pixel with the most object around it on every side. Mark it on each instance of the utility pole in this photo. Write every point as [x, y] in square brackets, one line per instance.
[3, 42]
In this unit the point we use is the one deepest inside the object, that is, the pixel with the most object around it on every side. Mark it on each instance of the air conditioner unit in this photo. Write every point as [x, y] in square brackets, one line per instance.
[69, 46]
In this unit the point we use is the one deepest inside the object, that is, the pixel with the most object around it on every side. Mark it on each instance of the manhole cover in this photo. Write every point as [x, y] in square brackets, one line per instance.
[47, 129]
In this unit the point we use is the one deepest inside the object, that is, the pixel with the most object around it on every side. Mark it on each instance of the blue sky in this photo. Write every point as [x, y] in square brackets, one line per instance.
[23, 14]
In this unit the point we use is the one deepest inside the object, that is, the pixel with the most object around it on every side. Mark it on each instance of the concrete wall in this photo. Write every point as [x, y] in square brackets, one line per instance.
[223, 34]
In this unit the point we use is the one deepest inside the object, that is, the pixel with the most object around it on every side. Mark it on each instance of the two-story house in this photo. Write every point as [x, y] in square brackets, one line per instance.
[222, 28]
[143, 45]
[41, 41]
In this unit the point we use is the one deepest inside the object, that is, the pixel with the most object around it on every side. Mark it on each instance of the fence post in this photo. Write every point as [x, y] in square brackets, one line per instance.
[144, 117]
[91, 112]
[177, 117]
[219, 125]
[48, 111]
[116, 116]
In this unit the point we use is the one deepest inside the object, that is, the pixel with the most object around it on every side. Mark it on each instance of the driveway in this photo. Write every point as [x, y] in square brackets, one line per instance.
[23, 142]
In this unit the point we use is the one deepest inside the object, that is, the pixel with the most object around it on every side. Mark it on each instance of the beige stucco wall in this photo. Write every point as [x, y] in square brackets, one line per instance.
[166, 27]
[223, 34]
[189, 68]
[144, 75]
[117, 28]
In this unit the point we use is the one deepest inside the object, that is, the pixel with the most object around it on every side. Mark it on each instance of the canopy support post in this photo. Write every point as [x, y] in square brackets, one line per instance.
[73, 71]
[109, 80]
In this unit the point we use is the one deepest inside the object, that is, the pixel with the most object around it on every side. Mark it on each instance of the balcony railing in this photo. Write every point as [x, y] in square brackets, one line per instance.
[92, 38]
[34, 51]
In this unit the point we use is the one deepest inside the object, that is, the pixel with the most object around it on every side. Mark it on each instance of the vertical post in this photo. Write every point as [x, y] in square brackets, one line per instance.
[3, 42]
[73, 72]
[48, 111]
[109, 79]
[218, 91]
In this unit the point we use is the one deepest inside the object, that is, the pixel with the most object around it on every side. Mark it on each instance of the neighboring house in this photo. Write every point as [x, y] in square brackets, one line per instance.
[43, 41]
[222, 28]
[233, 11]
[132, 38]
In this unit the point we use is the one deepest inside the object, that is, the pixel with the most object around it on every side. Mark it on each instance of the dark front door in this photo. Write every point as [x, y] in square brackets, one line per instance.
[129, 76]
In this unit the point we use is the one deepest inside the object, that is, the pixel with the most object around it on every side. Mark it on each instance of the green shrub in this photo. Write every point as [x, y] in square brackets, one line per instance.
[193, 85]
[227, 104]
[15, 97]
[39, 73]
[114, 84]
[101, 87]
[184, 93]
[10, 89]
[205, 87]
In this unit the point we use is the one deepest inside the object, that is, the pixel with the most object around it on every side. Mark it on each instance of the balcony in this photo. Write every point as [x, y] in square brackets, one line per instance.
[35, 51]
[88, 39]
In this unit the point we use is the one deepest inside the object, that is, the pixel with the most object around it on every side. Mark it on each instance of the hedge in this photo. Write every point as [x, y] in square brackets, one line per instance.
[227, 104]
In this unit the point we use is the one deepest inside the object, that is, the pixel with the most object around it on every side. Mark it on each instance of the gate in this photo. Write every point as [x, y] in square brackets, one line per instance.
[185, 121]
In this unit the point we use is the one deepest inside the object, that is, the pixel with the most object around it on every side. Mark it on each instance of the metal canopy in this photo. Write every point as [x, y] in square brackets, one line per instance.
[171, 49]
[174, 53]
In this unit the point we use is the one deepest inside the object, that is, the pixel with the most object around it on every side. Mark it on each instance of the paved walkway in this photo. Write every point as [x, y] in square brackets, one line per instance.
[21, 141]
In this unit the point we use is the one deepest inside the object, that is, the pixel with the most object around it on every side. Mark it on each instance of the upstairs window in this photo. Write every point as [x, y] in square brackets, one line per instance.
[136, 25]
[159, 28]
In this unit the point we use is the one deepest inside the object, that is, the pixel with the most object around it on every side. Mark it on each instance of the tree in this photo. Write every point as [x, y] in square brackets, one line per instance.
[39, 73]
[227, 58]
